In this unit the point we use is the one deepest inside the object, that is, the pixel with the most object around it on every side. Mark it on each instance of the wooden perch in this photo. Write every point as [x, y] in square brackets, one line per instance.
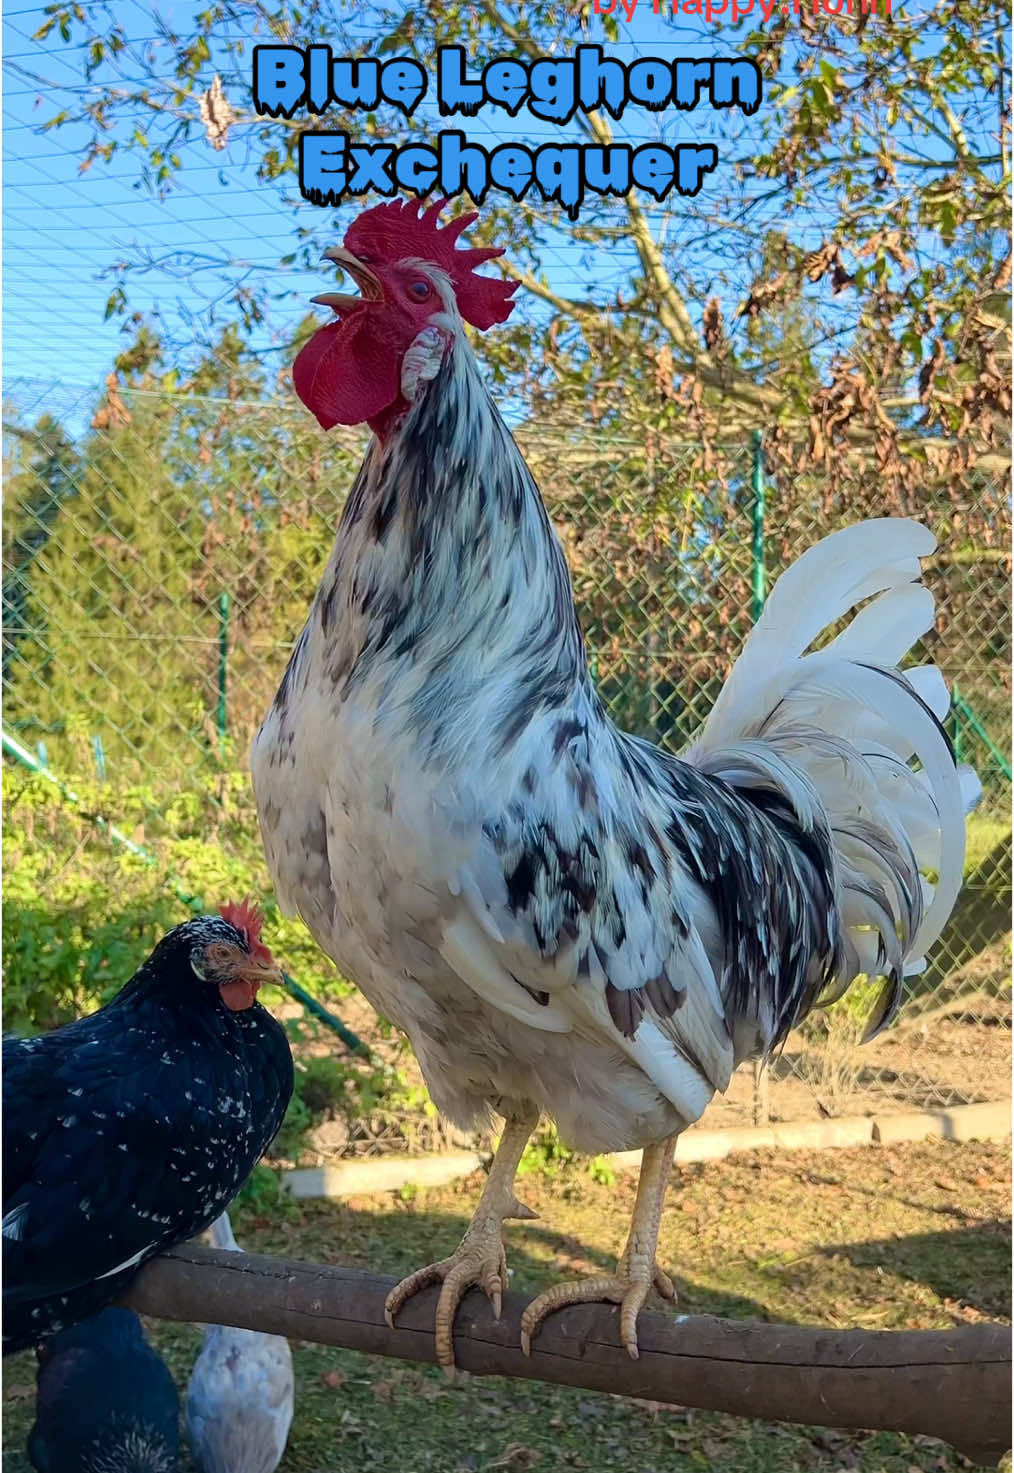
[953, 1384]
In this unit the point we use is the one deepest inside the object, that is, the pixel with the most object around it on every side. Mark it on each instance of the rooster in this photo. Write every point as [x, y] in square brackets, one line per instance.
[565, 919]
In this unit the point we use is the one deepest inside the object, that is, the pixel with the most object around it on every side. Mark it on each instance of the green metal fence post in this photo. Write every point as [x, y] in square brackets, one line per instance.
[223, 664]
[759, 508]
[963, 711]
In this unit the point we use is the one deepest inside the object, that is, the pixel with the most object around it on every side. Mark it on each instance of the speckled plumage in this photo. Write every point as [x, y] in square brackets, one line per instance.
[555, 912]
[128, 1131]
[107, 1402]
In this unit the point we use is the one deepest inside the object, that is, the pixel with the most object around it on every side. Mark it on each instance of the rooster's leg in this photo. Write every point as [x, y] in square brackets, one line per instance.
[480, 1258]
[636, 1272]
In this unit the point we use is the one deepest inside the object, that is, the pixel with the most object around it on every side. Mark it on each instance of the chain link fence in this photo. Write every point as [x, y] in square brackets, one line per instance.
[160, 552]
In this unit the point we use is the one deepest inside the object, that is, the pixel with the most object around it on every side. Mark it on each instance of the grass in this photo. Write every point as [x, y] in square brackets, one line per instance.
[910, 1236]
[983, 834]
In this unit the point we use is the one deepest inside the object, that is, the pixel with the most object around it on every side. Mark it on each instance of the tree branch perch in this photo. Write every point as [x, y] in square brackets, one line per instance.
[953, 1384]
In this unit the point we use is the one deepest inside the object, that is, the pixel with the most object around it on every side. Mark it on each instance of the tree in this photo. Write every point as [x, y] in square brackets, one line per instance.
[183, 490]
[42, 473]
[869, 195]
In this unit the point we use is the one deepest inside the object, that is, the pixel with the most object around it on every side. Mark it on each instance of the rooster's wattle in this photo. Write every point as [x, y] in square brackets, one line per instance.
[564, 918]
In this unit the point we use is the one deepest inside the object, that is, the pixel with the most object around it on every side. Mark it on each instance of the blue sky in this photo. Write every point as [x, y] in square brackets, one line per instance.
[64, 231]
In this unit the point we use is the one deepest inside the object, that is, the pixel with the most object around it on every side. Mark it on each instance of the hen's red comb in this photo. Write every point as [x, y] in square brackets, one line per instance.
[390, 232]
[248, 918]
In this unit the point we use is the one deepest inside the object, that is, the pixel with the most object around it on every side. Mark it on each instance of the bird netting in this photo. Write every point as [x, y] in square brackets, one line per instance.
[161, 547]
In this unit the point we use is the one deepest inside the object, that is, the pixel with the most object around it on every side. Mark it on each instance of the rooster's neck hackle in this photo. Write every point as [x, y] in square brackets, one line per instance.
[446, 574]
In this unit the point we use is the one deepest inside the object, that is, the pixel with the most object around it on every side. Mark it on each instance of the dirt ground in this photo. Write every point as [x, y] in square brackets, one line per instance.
[941, 1062]
[920, 1063]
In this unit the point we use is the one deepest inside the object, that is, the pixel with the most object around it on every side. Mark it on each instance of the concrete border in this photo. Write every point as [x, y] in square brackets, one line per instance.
[355, 1178]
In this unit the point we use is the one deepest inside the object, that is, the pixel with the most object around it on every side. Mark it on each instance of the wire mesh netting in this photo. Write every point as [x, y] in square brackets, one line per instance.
[160, 553]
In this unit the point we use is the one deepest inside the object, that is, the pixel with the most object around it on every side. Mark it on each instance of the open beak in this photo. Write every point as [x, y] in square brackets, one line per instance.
[368, 284]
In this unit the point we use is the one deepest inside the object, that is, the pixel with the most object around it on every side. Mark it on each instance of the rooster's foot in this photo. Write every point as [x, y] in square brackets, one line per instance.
[480, 1260]
[628, 1287]
[637, 1270]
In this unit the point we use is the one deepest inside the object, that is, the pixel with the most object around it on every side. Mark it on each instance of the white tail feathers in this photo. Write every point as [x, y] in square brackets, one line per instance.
[220, 1233]
[862, 739]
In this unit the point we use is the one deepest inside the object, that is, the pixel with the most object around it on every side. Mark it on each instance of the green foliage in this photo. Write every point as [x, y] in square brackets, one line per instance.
[117, 553]
[78, 918]
[601, 1172]
[298, 1120]
[545, 1155]
[262, 1194]
[80, 913]
[41, 473]
[323, 1085]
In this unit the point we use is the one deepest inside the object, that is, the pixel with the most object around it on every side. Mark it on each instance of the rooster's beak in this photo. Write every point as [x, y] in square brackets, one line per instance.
[368, 284]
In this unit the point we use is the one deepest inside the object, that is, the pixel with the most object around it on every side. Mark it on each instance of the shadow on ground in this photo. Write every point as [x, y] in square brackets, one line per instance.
[878, 1238]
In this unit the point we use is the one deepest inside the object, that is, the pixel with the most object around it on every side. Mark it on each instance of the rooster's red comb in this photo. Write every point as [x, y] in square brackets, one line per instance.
[390, 232]
[248, 918]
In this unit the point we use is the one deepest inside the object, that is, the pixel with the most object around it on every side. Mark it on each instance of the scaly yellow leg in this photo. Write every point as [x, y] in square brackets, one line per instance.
[480, 1258]
[636, 1272]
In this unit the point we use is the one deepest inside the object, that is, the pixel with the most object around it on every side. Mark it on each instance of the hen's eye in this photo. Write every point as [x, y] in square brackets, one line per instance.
[420, 290]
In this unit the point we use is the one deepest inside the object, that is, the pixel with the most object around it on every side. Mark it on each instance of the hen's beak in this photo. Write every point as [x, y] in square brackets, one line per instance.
[368, 284]
[257, 973]
[242, 974]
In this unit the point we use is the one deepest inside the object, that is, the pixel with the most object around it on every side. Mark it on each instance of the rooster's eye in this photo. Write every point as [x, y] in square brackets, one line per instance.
[420, 290]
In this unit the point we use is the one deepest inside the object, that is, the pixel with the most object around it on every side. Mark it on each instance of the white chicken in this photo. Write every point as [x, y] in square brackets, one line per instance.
[241, 1394]
[564, 918]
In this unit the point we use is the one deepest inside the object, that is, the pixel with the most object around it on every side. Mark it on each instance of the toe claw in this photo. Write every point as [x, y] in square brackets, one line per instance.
[522, 1210]
[477, 1261]
[664, 1286]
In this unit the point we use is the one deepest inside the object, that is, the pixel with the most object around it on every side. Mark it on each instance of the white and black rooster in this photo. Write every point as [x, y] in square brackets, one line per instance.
[563, 918]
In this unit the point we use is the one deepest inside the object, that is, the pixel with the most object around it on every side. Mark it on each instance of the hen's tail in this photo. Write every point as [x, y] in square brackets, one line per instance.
[854, 744]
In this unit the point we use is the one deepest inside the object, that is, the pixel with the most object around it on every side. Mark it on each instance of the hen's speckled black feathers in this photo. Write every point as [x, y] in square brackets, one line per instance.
[128, 1131]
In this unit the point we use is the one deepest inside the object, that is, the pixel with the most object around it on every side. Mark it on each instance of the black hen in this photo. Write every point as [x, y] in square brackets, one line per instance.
[130, 1130]
[106, 1401]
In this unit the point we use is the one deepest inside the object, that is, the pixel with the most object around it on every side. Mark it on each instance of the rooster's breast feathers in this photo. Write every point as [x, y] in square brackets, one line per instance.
[588, 884]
